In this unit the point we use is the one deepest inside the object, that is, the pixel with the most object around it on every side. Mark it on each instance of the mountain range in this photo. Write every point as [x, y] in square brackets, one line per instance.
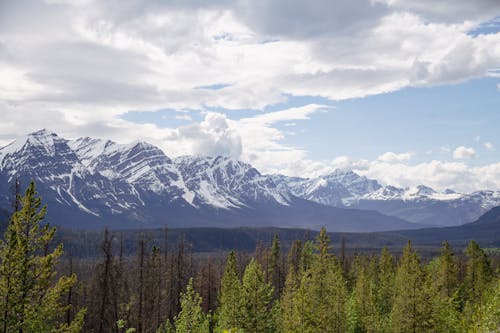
[91, 183]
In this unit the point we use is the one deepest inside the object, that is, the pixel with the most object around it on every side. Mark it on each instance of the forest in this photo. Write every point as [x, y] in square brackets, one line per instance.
[306, 286]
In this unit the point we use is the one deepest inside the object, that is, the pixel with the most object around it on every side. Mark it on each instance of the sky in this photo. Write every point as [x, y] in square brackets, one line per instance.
[403, 91]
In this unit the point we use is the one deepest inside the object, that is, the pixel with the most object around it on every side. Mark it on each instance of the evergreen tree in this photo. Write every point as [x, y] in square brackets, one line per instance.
[230, 311]
[257, 298]
[447, 274]
[294, 256]
[293, 302]
[320, 301]
[30, 300]
[307, 255]
[385, 289]
[276, 269]
[479, 273]
[411, 309]
[191, 318]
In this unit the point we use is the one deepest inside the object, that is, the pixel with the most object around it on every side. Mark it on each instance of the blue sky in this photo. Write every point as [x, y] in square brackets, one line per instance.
[403, 91]
[428, 122]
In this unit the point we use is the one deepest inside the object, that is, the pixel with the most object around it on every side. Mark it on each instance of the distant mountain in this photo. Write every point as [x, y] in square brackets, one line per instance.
[485, 230]
[419, 204]
[89, 183]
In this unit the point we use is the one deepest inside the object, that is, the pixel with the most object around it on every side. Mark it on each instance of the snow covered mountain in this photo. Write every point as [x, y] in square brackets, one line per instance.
[91, 183]
[419, 204]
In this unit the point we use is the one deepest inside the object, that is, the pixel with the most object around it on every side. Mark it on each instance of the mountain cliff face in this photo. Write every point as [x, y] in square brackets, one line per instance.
[89, 183]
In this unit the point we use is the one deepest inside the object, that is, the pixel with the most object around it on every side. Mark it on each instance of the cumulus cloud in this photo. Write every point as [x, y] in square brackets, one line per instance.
[437, 174]
[391, 157]
[463, 152]
[211, 137]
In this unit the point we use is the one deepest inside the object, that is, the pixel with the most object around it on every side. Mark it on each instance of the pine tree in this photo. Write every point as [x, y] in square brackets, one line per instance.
[363, 311]
[385, 289]
[230, 311]
[191, 318]
[412, 306]
[30, 300]
[479, 273]
[320, 301]
[257, 298]
[293, 302]
[276, 269]
[447, 275]
[294, 256]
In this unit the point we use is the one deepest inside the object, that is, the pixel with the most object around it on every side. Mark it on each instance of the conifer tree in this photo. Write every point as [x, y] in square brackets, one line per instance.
[276, 269]
[257, 298]
[411, 308]
[307, 255]
[191, 318]
[230, 311]
[322, 296]
[447, 275]
[363, 314]
[386, 273]
[30, 300]
[293, 304]
[294, 256]
[479, 273]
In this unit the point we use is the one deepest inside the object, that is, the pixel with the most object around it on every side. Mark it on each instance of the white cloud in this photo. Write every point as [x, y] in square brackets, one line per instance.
[391, 157]
[211, 137]
[142, 55]
[489, 146]
[462, 152]
[97, 60]
[439, 175]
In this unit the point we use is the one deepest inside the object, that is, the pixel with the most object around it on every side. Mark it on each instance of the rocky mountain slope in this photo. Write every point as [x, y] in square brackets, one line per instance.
[420, 204]
[90, 183]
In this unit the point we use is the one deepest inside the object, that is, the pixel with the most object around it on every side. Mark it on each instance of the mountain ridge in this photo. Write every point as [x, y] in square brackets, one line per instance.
[137, 184]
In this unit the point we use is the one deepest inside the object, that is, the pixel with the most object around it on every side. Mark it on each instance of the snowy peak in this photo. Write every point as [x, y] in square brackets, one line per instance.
[89, 149]
[42, 154]
[42, 140]
[227, 183]
[337, 189]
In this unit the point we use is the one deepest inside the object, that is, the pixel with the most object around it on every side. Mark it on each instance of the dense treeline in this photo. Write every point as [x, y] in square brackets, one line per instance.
[168, 288]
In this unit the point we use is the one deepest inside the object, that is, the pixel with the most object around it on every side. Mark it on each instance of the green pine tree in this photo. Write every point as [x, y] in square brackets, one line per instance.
[257, 299]
[191, 318]
[385, 289]
[230, 309]
[30, 294]
[411, 309]
[447, 281]
[321, 299]
[275, 267]
[479, 273]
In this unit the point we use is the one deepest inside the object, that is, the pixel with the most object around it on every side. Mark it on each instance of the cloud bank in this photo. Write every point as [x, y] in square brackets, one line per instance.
[77, 67]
